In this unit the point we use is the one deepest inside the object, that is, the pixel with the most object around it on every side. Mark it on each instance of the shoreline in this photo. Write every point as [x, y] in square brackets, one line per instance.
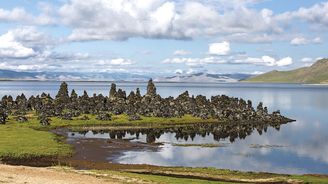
[142, 171]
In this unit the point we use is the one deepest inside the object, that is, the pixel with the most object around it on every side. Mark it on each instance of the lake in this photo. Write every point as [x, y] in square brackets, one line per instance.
[296, 148]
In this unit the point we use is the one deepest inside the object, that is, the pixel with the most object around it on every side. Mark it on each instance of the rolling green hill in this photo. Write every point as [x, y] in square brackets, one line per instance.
[315, 74]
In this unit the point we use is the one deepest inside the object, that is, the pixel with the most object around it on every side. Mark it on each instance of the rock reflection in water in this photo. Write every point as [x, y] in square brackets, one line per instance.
[232, 131]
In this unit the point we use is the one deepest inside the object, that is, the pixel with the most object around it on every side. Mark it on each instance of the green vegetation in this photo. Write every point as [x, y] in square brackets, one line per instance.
[27, 140]
[21, 142]
[316, 74]
[181, 175]
[32, 140]
[117, 120]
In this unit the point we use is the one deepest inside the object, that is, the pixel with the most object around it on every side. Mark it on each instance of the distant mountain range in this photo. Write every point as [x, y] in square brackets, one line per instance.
[71, 76]
[205, 77]
[315, 74]
[75, 76]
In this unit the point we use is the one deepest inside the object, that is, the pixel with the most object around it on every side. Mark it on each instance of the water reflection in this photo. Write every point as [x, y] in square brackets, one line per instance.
[230, 131]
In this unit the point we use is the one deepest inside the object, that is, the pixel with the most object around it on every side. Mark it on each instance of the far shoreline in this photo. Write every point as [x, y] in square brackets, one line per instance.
[169, 82]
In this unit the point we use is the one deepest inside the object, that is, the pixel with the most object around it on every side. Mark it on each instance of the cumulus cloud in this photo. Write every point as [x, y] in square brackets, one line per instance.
[317, 14]
[21, 16]
[116, 62]
[221, 48]
[306, 60]
[194, 61]
[25, 42]
[160, 19]
[11, 48]
[266, 61]
[304, 41]
[18, 66]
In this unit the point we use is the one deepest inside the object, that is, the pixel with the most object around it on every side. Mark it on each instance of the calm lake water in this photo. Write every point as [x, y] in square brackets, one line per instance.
[301, 146]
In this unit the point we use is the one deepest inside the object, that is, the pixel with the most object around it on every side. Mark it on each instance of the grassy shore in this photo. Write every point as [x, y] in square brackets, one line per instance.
[20, 142]
[31, 140]
[181, 175]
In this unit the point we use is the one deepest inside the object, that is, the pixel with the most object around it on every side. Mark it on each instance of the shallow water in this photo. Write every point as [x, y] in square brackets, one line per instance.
[302, 145]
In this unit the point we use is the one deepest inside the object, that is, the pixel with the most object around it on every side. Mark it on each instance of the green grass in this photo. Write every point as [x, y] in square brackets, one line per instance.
[117, 120]
[30, 139]
[179, 175]
[20, 142]
[146, 178]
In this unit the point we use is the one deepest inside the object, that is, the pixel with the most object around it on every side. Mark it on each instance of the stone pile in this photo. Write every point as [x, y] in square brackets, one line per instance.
[135, 105]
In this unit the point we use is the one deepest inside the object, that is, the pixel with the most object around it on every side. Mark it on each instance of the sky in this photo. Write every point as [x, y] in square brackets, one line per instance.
[162, 37]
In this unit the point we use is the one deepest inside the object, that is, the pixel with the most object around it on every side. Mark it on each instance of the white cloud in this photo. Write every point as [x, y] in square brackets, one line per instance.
[306, 60]
[298, 41]
[116, 62]
[304, 41]
[11, 48]
[284, 61]
[181, 52]
[160, 19]
[221, 48]
[317, 14]
[23, 67]
[20, 15]
[195, 61]
[265, 60]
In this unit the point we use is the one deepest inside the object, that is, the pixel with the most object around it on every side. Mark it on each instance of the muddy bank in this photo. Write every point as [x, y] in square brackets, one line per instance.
[103, 150]
[34, 161]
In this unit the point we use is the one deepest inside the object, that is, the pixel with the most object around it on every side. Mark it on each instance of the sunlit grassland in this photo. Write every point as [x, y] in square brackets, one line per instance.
[21, 142]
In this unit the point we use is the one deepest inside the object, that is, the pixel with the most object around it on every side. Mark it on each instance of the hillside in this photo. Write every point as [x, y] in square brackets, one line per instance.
[315, 74]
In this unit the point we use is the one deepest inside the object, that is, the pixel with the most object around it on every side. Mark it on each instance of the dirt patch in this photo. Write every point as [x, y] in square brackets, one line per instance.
[22, 174]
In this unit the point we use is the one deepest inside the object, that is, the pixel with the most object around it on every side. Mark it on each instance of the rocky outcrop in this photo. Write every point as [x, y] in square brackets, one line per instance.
[135, 105]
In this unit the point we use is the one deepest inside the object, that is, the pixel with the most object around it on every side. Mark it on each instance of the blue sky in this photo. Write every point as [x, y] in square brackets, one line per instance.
[162, 37]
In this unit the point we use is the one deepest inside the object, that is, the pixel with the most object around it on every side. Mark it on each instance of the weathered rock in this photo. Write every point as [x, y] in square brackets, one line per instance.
[104, 117]
[112, 92]
[84, 118]
[44, 121]
[134, 117]
[66, 116]
[151, 89]
[21, 119]
[3, 114]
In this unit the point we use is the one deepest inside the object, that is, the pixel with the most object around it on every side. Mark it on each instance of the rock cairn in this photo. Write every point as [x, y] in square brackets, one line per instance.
[134, 105]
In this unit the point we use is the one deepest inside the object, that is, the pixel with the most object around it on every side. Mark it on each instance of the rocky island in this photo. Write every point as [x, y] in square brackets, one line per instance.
[66, 107]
